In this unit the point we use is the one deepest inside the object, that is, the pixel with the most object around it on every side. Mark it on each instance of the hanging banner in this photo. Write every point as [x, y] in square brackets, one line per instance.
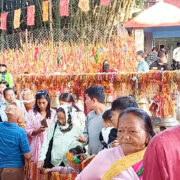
[84, 5]
[17, 14]
[105, 2]
[4, 21]
[45, 6]
[64, 7]
[30, 15]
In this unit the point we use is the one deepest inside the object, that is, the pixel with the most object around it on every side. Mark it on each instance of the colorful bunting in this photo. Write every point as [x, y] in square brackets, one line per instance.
[105, 2]
[4, 20]
[96, 57]
[64, 7]
[36, 55]
[30, 15]
[17, 14]
[84, 5]
[58, 58]
[45, 7]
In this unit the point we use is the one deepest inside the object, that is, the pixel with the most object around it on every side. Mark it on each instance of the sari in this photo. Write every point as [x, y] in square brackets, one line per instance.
[101, 166]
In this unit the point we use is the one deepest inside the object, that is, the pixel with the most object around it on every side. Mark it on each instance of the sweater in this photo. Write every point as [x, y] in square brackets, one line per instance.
[93, 126]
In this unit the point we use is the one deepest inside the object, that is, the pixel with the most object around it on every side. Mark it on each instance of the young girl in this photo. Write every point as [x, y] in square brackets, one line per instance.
[64, 136]
[108, 133]
[34, 126]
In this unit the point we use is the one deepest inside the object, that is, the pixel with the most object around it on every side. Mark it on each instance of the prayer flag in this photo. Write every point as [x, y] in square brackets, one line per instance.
[84, 5]
[64, 7]
[17, 14]
[96, 57]
[30, 15]
[45, 5]
[105, 2]
[58, 58]
[4, 20]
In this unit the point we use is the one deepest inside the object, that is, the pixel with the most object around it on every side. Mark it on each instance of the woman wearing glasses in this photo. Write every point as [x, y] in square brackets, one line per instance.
[39, 119]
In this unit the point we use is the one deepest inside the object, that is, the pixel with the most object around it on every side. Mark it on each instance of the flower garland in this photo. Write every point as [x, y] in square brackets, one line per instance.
[120, 83]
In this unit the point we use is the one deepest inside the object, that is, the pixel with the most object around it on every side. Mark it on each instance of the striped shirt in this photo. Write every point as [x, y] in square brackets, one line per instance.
[13, 145]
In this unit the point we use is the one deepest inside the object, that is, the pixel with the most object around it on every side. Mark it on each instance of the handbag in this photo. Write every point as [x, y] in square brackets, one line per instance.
[47, 161]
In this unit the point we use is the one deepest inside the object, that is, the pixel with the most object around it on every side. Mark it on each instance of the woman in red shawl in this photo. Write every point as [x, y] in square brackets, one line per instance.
[162, 157]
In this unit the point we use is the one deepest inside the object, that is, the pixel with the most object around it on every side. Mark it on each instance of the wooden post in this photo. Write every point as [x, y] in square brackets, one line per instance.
[50, 60]
[50, 20]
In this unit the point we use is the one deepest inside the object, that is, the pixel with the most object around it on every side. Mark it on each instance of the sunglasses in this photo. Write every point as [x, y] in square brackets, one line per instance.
[42, 92]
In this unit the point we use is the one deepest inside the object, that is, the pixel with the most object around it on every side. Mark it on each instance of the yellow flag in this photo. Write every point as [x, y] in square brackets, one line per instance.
[84, 5]
[17, 14]
[45, 6]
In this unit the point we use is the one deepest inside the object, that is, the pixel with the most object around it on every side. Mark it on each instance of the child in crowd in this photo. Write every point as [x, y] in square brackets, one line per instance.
[108, 133]
[77, 152]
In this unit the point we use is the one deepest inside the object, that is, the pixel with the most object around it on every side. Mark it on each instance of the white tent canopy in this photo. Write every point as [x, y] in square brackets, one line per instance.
[159, 14]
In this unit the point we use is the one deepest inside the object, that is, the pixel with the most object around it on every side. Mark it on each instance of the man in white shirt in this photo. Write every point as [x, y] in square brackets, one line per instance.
[176, 56]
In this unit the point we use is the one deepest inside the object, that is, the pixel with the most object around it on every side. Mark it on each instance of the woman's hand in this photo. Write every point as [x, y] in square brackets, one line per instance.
[82, 139]
[37, 131]
[115, 143]
[40, 164]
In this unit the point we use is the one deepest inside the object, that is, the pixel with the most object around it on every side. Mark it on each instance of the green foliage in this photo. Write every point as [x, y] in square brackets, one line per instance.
[140, 2]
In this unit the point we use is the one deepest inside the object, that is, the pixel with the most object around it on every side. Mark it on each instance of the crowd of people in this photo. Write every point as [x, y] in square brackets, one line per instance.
[121, 137]
[157, 59]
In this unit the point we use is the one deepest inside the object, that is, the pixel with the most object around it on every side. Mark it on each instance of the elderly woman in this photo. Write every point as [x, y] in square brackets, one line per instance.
[125, 161]
[27, 97]
[10, 98]
[63, 136]
[78, 116]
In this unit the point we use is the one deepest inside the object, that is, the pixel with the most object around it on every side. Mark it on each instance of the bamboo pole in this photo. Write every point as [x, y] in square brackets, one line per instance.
[50, 20]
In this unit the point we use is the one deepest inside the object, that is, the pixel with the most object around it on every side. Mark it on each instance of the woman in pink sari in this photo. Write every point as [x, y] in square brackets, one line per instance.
[125, 161]
[39, 119]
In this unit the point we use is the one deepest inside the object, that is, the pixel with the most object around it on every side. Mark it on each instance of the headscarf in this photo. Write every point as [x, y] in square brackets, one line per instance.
[68, 114]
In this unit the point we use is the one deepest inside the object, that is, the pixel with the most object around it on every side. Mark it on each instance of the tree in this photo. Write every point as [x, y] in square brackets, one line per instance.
[99, 23]
[140, 2]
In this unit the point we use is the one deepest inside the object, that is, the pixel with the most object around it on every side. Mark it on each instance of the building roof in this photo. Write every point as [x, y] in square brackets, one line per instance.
[173, 2]
[164, 13]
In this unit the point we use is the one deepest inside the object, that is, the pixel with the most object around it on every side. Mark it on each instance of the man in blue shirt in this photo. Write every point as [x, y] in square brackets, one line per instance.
[14, 146]
[142, 65]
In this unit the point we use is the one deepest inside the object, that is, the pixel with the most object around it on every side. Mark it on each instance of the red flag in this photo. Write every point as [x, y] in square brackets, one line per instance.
[30, 15]
[105, 2]
[4, 20]
[64, 7]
